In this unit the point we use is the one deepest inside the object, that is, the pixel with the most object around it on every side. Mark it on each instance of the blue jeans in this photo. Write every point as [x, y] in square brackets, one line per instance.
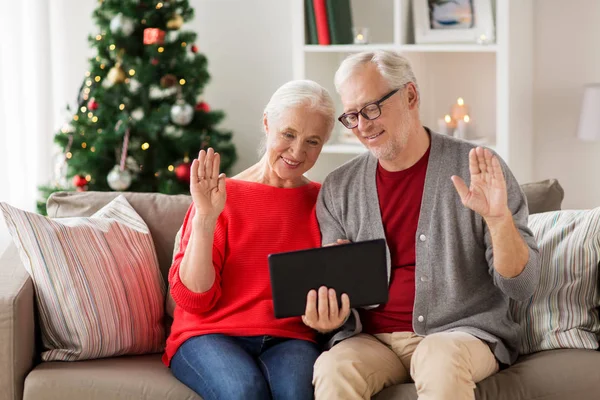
[255, 367]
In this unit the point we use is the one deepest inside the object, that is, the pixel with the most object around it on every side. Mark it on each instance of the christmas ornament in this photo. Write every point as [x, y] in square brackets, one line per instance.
[122, 24]
[137, 114]
[79, 181]
[194, 48]
[154, 61]
[93, 104]
[202, 106]
[157, 93]
[119, 180]
[173, 132]
[168, 81]
[172, 36]
[154, 36]
[175, 22]
[116, 74]
[183, 172]
[134, 85]
[182, 113]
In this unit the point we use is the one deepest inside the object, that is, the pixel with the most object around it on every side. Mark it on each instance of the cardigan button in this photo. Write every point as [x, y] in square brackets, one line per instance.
[421, 318]
[422, 238]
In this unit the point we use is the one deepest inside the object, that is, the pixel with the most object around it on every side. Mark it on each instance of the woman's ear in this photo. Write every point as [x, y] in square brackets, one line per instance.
[265, 123]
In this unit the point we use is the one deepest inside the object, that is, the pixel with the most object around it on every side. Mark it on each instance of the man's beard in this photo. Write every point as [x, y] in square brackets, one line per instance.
[389, 150]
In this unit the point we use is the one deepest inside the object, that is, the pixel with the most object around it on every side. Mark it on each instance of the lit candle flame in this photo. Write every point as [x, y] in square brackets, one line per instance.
[460, 101]
[466, 118]
[448, 119]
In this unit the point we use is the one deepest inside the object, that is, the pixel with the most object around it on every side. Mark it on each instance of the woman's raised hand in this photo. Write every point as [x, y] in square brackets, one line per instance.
[207, 186]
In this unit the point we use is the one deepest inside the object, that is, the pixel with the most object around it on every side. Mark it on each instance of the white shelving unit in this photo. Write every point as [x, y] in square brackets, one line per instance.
[495, 80]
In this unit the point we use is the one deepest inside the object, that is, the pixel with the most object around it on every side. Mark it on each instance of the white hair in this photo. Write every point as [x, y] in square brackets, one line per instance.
[392, 66]
[300, 93]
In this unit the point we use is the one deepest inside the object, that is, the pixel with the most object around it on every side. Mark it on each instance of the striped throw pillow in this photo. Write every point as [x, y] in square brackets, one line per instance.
[563, 312]
[98, 285]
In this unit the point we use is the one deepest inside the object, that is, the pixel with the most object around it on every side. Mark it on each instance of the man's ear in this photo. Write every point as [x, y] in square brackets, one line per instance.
[265, 123]
[412, 96]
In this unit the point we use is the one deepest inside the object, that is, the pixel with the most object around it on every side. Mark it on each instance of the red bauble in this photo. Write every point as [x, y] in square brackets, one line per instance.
[93, 104]
[202, 106]
[194, 48]
[183, 172]
[154, 61]
[79, 181]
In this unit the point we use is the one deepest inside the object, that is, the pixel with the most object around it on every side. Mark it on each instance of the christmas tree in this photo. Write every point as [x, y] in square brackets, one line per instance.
[140, 118]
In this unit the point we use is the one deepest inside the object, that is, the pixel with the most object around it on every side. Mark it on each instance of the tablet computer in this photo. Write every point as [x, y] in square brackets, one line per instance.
[358, 269]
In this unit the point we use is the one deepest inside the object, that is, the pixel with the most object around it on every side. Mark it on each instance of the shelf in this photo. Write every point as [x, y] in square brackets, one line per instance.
[342, 148]
[406, 48]
[348, 48]
[448, 48]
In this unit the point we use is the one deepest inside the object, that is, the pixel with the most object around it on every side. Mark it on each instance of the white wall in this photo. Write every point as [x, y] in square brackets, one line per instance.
[567, 56]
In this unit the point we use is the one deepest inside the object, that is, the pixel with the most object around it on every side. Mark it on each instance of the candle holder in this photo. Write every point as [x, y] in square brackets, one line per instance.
[360, 35]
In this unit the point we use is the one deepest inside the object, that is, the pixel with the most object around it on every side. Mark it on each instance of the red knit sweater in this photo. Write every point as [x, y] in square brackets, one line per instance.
[257, 220]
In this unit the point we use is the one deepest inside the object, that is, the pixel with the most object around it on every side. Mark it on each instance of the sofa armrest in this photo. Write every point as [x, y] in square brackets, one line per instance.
[17, 329]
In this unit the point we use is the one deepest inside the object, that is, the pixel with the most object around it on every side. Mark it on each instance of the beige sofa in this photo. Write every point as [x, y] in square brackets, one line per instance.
[550, 375]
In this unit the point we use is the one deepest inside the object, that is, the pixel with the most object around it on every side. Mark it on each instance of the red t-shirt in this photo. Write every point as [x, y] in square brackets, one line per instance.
[400, 195]
[257, 220]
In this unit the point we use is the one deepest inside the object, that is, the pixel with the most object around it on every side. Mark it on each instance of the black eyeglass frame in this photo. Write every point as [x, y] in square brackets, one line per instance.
[377, 103]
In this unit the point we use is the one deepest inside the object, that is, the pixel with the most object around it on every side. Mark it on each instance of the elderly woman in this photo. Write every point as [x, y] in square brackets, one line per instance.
[225, 342]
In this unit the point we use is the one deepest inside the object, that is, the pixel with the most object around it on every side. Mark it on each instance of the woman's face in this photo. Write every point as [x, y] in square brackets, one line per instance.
[294, 141]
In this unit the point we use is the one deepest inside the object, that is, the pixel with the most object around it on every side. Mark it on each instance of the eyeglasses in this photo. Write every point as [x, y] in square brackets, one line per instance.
[371, 111]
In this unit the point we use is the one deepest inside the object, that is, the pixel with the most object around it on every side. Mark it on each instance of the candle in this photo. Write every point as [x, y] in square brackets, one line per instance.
[446, 125]
[442, 127]
[459, 110]
[361, 35]
[462, 127]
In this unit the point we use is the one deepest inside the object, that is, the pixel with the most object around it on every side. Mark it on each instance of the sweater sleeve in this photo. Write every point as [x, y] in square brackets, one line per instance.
[185, 298]
[522, 286]
[329, 222]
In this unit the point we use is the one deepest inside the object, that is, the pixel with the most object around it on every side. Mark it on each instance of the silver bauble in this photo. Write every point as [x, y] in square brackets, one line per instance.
[119, 180]
[122, 24]
[182, 113]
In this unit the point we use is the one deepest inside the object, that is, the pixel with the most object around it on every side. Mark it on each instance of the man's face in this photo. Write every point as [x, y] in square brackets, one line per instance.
[387, 135]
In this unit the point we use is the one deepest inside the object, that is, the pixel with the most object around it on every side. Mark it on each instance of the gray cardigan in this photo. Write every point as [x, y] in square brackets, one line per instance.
[457, 287]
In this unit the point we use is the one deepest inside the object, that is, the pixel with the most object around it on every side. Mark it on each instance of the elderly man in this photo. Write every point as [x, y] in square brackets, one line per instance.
[457, 251]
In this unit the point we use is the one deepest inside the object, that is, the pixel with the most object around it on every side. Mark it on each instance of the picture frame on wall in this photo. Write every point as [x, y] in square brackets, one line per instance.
[453, 21]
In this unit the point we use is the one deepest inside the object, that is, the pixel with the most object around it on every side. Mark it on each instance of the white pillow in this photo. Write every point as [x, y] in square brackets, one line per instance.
[563, 312]
[98, 285]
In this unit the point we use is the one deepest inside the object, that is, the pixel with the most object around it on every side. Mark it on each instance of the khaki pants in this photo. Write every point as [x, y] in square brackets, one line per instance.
[442, 365]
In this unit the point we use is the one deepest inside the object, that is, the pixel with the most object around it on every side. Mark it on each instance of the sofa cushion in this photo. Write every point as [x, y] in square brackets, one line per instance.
[563, 313]
[97, 281]
[121, 378]
[548, 375]
[543, 196]
[162, 213]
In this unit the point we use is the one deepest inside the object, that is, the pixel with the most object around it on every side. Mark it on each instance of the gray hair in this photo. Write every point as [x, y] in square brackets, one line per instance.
[392, 66]
[301, 93]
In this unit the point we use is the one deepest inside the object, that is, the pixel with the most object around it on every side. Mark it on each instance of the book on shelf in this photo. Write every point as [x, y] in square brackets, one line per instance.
[310, 23]
[321, 22]
[339, 17]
